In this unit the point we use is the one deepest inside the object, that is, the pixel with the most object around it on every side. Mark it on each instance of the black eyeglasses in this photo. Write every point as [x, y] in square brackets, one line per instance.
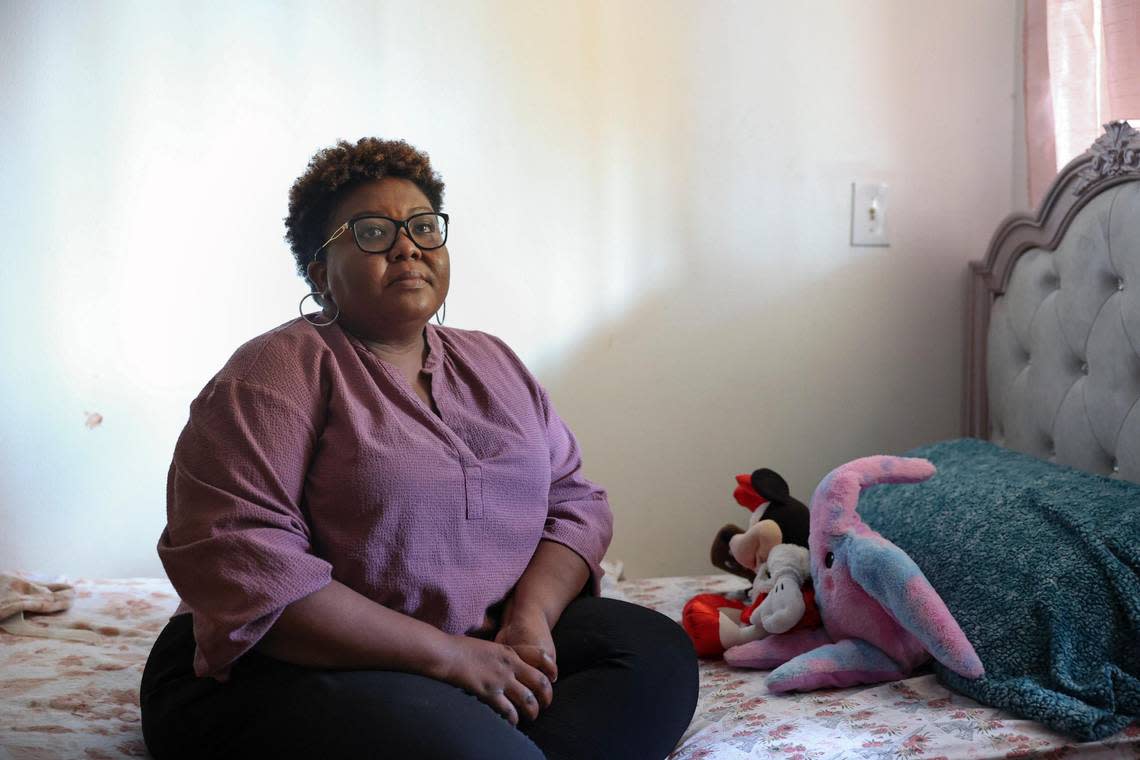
[377, 234]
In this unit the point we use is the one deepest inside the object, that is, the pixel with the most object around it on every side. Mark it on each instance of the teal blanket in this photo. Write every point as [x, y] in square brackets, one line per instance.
[1040, 564]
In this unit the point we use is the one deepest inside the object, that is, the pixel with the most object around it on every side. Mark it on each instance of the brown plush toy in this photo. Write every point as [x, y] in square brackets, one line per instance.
[721, 556]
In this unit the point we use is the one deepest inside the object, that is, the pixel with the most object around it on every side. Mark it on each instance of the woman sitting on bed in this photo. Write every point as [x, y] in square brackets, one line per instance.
[380, 530]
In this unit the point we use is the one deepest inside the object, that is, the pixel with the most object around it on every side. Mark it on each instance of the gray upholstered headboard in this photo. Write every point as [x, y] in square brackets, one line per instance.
[1053, 353]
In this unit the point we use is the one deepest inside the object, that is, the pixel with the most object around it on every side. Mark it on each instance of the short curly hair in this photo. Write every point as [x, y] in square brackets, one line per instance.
[335, 171]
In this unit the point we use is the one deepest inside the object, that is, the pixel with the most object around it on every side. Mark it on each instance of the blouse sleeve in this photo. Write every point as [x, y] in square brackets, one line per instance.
[579, 514]
[237, 547]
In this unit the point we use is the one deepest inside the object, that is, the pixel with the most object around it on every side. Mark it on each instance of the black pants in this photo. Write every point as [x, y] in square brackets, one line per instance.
[626, 689]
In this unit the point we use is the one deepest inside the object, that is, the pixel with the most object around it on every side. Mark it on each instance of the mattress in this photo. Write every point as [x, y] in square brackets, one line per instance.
[71, 691]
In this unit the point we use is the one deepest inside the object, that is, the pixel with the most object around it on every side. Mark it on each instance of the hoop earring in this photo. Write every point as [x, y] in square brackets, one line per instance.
[438, 318]
[314, 322]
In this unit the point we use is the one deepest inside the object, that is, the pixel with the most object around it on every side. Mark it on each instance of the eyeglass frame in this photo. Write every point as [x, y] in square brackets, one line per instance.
[400, 225]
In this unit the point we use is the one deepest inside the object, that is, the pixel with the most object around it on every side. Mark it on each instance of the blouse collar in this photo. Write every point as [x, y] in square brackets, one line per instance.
[434, 357]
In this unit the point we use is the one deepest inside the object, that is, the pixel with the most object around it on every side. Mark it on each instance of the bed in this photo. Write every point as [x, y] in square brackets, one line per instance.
[1050, 409]
[77, 697]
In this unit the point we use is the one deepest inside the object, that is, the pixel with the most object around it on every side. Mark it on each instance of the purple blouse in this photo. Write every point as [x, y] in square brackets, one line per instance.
[308, 458]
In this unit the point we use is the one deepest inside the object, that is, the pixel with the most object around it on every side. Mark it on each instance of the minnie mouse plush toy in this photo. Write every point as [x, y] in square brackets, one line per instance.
[773, 553]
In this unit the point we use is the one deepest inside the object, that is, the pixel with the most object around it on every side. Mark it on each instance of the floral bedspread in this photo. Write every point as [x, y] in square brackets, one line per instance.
[62, 698]
[737, 718]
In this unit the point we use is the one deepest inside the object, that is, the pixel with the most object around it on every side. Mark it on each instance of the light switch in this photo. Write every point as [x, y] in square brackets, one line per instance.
[869, 214]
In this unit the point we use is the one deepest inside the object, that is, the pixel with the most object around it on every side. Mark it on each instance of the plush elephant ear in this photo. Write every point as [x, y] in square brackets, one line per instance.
[770, 485]
[891, 577]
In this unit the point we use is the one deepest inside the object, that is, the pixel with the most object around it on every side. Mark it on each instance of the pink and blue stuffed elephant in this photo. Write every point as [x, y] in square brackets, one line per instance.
[881, 617]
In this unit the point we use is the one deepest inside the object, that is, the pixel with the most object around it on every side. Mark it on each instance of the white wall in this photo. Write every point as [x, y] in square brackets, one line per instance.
[690, 299]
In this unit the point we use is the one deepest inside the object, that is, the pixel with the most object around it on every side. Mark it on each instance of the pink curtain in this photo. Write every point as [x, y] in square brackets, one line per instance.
[1082, 69]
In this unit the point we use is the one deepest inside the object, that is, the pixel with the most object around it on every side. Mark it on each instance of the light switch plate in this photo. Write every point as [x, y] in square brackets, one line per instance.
[869, 214]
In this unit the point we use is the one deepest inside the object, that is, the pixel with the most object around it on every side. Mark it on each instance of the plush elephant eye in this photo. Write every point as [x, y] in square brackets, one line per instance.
[829, 560]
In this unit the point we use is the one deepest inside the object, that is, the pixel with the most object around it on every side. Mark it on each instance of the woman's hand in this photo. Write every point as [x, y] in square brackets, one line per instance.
[527, 632]
[497, 676]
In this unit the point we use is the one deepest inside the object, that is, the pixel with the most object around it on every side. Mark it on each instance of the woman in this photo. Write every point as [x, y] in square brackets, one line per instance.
[380, 531]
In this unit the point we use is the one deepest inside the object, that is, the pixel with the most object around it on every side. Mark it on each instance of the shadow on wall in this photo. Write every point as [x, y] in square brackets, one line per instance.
[680, 395]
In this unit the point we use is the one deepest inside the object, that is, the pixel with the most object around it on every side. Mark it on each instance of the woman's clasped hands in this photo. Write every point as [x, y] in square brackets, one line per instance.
[511, 674]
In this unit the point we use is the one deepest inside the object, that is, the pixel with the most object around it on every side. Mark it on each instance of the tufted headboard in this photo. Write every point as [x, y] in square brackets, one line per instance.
[1053, 319]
